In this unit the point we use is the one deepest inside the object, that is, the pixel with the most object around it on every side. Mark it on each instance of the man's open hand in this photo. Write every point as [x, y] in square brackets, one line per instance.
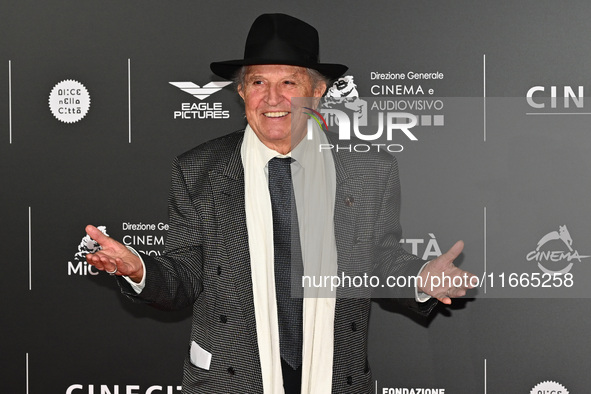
[114, 257]
[442, 279]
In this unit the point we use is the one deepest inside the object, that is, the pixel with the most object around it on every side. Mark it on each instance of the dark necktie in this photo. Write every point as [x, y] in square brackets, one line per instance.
[288, 260]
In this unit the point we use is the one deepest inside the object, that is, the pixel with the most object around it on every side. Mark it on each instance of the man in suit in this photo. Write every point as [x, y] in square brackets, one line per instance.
[231, 213]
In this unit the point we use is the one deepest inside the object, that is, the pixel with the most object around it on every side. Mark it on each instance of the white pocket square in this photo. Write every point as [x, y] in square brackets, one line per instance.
[200, 357]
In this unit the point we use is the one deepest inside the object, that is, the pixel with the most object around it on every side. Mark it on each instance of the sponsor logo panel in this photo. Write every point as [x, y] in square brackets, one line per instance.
[69, 101]
[123, 389]
[147, 238]
[554, 252]
[384, 123]
[203, 107]
[549, 387]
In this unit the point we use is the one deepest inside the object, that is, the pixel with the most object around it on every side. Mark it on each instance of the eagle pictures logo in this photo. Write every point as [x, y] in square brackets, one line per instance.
[201, 109]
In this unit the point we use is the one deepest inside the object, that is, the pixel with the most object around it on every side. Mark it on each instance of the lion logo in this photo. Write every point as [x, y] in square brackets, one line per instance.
[343, 87]
[89, 245]
[344, 92]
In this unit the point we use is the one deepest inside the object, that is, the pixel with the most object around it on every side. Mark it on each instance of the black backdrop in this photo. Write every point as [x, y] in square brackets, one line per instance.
[492, 175]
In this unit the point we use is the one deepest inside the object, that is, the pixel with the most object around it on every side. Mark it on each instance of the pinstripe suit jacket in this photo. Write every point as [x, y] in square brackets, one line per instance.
[207, 266]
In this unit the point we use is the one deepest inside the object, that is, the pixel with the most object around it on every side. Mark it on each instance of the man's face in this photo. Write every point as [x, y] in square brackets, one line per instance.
[267, 93]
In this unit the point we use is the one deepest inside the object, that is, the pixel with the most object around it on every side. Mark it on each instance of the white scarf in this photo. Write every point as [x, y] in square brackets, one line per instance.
[314, 185]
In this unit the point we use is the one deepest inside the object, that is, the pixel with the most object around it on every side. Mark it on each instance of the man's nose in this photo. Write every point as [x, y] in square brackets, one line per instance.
[273, 94]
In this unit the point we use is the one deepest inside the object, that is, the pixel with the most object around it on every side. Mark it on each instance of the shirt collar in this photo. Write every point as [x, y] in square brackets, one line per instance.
[301, 153]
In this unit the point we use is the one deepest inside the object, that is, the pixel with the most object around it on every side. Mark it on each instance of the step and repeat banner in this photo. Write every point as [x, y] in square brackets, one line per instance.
[98, 97]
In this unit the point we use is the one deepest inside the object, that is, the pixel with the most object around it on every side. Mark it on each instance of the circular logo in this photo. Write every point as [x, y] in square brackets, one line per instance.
[69, 101]
[549, 387]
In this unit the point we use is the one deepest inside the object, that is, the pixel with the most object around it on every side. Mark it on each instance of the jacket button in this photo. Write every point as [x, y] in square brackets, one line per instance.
[349, 200]
[349, 380]
[223, 318]
[219, 269]
[231, 371]
[354, 326]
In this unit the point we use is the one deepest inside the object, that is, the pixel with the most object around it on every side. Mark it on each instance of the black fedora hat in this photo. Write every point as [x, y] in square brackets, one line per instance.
[280, 39]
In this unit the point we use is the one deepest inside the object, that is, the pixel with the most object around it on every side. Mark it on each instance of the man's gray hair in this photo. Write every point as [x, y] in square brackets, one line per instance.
[315, 76]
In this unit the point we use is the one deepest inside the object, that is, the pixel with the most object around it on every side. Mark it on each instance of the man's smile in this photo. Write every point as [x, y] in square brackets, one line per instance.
[276, 114]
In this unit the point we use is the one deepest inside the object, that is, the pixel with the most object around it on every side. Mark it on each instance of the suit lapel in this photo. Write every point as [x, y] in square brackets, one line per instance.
[348, 198]
[228, 191]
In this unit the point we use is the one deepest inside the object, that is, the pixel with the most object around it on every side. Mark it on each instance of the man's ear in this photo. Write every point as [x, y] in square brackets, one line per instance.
[320, 89]
[240, 92]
